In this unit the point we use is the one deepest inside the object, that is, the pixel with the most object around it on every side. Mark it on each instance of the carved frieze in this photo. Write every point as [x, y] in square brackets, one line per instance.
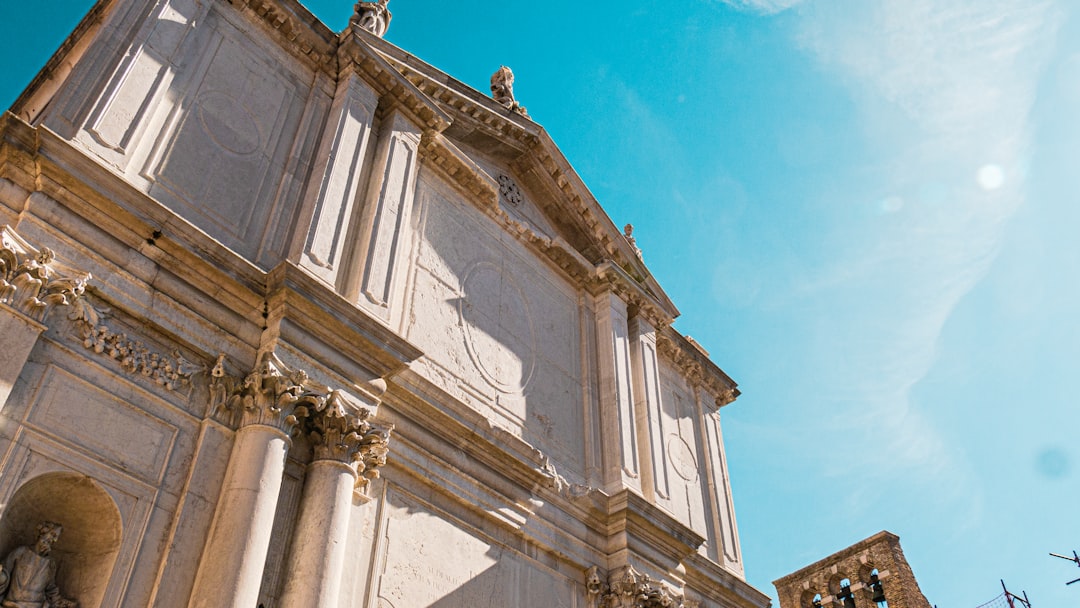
[627, 588]
[171, 371]
[31, 281]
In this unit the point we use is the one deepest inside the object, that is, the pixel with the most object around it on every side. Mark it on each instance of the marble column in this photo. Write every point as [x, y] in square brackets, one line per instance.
[347, 451]
[269, 404]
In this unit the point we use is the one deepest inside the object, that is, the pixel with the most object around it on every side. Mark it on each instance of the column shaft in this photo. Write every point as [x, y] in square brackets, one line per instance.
[231, 570]
[319, 540]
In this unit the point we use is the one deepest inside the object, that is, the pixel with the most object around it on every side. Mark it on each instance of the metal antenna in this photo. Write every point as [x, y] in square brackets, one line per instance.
[1015, 599]
[1075, 559]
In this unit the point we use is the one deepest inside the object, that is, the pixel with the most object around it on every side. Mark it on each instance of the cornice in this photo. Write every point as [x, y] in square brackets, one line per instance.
[297, 29]
[355, 51]
[645, 529]
[611, 276]
[696, 366]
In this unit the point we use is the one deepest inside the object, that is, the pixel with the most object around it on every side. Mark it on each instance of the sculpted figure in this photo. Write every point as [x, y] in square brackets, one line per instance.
[373, 17]
[502, 90]
[28, 574]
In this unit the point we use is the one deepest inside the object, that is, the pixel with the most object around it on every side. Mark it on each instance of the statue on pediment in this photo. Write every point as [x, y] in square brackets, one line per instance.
[28, 574]
[373, 17]
[502, 90]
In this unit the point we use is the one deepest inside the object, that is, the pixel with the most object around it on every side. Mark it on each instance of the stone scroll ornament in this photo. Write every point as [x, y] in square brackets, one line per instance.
[502, 91]
[372, 17]
[288, 399]
[28, 574]
[627, 588]
[31, 280]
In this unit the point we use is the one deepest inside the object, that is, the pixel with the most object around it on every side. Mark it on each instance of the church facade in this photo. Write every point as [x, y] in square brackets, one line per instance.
[291, 318]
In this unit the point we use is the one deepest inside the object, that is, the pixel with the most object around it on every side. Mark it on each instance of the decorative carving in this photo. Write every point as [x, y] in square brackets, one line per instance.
[627, 588]
[697, 369]
[28, 574]
[502, 90]
[30, 280]
[373, 17]
[342, 431]
[170, 371]
[554, 481]
[628, 232]
[271, 395]
[509, 191]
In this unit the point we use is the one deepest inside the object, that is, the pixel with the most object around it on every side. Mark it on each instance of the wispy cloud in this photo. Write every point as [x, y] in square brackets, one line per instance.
[762, 6]
[944, 89]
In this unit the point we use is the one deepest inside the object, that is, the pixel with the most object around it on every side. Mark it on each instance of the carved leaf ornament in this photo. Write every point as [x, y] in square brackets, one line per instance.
[30, 280]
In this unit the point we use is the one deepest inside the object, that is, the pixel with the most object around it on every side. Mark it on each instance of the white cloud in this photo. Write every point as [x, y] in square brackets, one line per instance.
[944, 89]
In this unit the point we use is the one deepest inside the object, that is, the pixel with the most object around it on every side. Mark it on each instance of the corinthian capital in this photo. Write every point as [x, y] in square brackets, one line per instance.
[628, 588]
[343, 431]
[271, 395]
[31, 281]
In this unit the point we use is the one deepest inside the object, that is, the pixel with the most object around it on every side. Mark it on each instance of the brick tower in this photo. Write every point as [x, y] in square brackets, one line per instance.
[872, 573]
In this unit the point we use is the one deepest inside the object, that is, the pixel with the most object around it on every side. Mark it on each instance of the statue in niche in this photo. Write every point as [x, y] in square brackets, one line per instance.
[373, 17]
[28, 574]
[502, 90]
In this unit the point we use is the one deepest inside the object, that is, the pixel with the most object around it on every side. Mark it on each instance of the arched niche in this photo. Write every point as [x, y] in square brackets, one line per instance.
[90, 542]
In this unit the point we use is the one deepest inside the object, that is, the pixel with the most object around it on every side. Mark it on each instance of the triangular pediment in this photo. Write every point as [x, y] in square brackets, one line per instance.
[484, 142]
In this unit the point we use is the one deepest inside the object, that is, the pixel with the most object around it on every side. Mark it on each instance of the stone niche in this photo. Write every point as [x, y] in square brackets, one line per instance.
[501, 332]
[90, 542]
[427, 559]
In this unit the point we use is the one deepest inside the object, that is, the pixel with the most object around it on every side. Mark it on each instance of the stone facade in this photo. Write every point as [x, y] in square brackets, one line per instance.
[872, 573]
[291, 318]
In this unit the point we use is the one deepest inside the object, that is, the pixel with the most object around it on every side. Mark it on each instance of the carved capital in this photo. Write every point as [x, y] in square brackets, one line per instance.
[31, 281]
[627, 588]
[271, 395]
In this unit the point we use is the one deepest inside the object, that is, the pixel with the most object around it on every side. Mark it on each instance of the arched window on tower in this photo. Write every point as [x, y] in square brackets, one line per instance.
[817, 601]
[877, 592]
[847, 600]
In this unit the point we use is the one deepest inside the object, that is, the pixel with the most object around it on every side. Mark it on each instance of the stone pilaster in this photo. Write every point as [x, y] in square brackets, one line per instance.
[618, 427]
[31, 284]
[266, 406]
[648, 410]
[333, 198]
[347, 451]
[385, 231]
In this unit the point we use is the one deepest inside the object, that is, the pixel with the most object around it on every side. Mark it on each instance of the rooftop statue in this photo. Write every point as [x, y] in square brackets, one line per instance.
[372, 17]
[28, 574]
[502, 90]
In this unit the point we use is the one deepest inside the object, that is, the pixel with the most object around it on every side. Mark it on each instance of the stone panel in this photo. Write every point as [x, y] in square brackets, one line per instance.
[103, 424]
[427, 559]
[500, 331]
[684, 458]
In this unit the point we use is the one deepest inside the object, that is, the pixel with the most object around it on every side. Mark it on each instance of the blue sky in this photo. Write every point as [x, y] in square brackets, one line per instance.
[866, 211]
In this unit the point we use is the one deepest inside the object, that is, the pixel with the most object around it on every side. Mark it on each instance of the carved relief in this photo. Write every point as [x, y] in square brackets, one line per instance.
[30, 280]
[627, 588]
[171, 371]
[271, 395]
[342, 431]
[509, 192]
[373, 17]
[502, 91]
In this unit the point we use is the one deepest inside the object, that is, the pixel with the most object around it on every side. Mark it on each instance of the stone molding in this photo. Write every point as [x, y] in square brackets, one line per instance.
[31, 280]
[301, 37]
[172, 371]
[695, 366]
[628, 588]
[637, 296]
